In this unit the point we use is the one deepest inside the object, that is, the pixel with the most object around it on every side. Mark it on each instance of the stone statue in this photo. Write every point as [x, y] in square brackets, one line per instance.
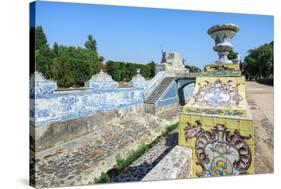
[164, 56]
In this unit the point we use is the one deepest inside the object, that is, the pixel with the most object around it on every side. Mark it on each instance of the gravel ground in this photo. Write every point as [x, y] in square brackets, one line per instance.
[260, 99]
[81, 160]
[138, 169]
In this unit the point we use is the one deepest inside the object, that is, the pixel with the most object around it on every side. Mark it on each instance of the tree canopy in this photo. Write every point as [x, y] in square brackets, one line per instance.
[71, 66]
[124, 71]
[193, 68]
[259, 62]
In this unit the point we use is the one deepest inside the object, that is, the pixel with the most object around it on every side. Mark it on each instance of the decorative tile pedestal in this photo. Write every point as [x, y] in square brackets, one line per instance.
[217, 123]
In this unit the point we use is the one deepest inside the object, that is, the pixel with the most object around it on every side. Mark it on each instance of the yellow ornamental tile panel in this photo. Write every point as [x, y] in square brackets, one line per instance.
[246, 125]
[218, 96]
[182, 141]
[197, 170]
[194, 118]
[240, 80]
[184, 118]
[246, 133]
[191, 143]
[207, 121]
[181, 118]
[223, 133]
[219, 120]
[232, 123]
[251, 169]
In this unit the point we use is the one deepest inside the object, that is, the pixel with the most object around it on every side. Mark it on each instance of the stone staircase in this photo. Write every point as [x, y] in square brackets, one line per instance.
[159, 90]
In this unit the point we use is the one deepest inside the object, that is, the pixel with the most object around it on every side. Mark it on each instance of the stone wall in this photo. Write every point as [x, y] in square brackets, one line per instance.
[175, 165]
[80, 160]
[188, 91]
[53, 133]
[153, 83]
[169, 97]
[102, 94]
[57, 116]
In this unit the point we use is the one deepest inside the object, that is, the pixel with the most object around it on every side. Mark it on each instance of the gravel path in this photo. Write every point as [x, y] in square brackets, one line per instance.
[263, 96]
[260, 100]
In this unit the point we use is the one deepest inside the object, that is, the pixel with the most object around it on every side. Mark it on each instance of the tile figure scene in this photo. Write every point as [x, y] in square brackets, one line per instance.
[178, 124]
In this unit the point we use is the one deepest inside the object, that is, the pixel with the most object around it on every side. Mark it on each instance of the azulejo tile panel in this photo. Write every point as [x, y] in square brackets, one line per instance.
[217, 126]
[219, 96]
[102, 94]
[217, 150]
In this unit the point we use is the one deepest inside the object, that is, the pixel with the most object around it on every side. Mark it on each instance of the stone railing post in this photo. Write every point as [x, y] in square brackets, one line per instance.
[101, 81]
[40, 86]
[138, 81]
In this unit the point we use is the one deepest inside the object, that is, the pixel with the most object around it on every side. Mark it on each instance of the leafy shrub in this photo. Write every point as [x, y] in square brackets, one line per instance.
[266, 81]
[104, 178]
[123, 163]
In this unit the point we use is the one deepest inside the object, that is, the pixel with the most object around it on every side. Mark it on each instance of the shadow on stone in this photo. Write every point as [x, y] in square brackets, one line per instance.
[137, 173]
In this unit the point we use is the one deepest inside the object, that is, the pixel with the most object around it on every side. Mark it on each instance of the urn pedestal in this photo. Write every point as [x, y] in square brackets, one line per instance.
[216, 123]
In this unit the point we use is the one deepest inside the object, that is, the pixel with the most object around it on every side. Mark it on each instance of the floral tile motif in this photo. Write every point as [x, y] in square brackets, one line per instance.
[218, 94]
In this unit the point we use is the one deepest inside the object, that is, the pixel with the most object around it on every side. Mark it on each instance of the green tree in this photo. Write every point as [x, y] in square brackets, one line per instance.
[42, 53]
[91, 44]
[113, 69]
[151, 66]
[232, 55]
[259, 61]
[40, 39]
[192, 68]
[71, 66]
[124, 71]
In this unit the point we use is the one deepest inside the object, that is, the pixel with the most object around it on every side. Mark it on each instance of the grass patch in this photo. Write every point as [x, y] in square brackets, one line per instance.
[104, 178]
[171, 128]
[122, 164]
[266, 81]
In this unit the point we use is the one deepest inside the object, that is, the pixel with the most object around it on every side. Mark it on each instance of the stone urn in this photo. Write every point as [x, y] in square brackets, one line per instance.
[222, 34]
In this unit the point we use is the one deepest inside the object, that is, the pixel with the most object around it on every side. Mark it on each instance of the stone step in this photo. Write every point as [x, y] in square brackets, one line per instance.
[159, 90]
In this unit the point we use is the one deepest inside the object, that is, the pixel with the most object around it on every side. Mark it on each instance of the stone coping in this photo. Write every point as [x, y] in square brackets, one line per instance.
[175, 165]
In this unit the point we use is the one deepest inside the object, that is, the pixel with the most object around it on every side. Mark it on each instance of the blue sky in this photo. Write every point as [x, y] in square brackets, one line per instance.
[139, 34]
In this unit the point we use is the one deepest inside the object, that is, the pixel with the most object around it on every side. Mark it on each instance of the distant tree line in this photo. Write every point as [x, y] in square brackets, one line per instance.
[124, 71]
[259, 62]
[71, 66]
[192, 68]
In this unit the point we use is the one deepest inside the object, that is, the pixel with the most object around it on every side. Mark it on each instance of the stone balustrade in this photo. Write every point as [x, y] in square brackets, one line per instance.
[153, 83]
[102, 94]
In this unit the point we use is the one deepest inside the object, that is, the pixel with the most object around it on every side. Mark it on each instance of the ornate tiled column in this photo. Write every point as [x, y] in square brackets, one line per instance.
[217, 123]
